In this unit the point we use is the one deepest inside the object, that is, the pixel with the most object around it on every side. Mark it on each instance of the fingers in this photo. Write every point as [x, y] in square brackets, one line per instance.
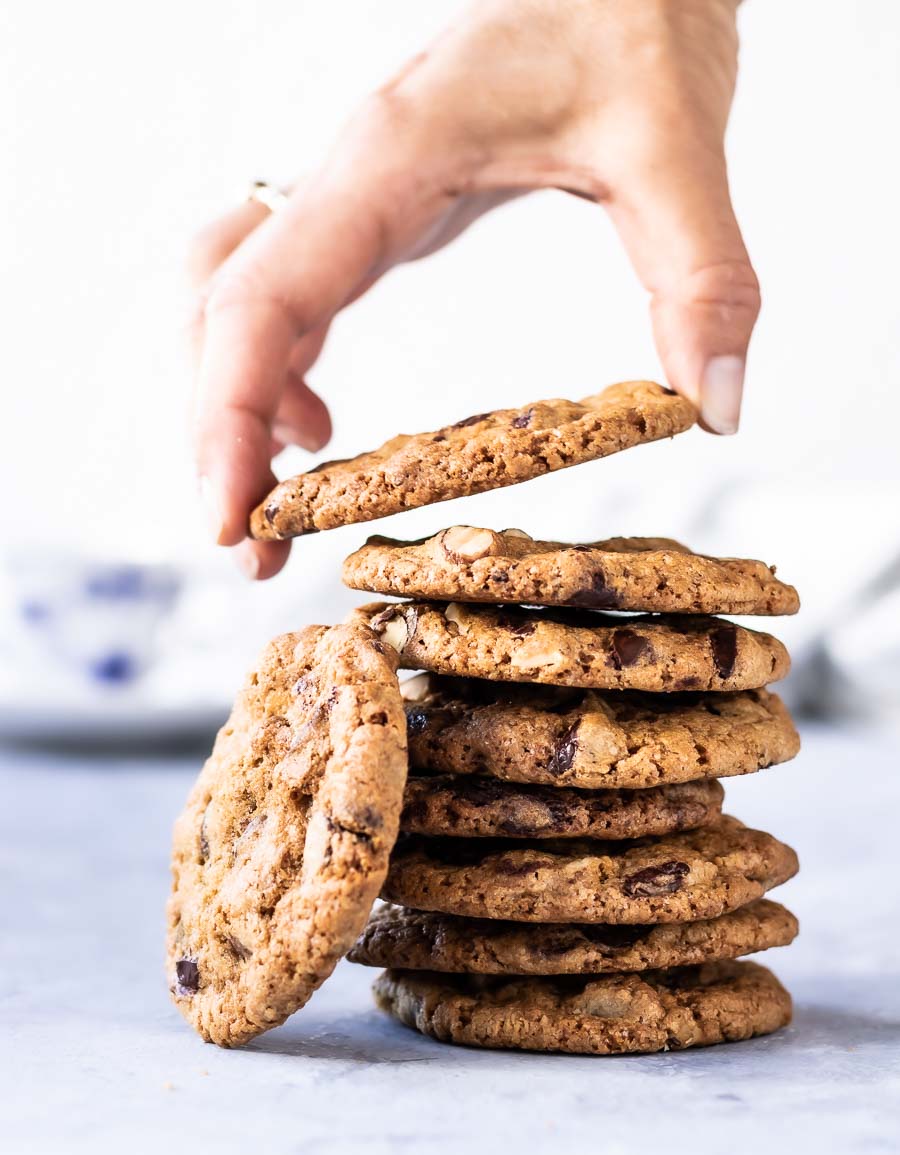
[267, 311]
[679, 227]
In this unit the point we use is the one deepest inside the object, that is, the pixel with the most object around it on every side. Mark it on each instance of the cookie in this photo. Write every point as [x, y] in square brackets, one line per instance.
[483, 452]
[577, 647]
[676, 878]
[590, 739]
[646, 574]
[720, 1002]
[285, 838]
[485, 808]
[423, 940]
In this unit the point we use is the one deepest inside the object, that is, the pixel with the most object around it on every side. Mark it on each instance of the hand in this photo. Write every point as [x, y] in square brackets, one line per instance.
[624, 102]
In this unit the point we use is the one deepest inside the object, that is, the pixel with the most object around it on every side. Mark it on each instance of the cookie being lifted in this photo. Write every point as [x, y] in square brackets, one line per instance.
[585, 648]
[595, 1015]
[284, 842]
[487, 451]
[642, 574]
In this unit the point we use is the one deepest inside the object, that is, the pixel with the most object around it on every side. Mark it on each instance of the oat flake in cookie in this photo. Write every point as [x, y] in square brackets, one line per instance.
[596, 1015]
[424, 940]
[285, 838]
[644, 574]
[485, 451]
[584, 648]
[590, 739]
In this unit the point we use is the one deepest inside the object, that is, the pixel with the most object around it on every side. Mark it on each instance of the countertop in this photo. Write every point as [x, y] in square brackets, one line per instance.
[95, 1059]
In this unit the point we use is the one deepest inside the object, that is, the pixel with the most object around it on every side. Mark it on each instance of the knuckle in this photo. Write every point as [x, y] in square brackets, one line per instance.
[730, 286]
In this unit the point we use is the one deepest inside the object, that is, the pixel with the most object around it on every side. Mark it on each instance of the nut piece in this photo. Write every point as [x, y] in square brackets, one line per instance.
[391, 626]
[464, 543]
[456, 614]
[415, 689]
[512, 532]
[535, 652]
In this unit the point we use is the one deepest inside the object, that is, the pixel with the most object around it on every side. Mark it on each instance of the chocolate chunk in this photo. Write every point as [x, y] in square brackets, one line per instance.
[564, 753]
[507, 869]
[613, 939]
[597, 596]
[471, 420]
[523, 419]
[242, 952]
[665, 878]
[271, 512]
[187, 977]
[522, 629]
[627, 647]
[724, 648]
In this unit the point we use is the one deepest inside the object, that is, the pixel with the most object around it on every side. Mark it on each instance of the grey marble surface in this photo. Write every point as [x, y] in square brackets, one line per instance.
[94, 1058]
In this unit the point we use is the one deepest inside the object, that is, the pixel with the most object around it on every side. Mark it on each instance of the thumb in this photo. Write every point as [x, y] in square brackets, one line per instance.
[680, 231]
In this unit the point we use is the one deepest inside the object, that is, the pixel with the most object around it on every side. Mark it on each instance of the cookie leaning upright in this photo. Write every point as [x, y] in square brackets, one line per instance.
[284, 842]
[487, 451]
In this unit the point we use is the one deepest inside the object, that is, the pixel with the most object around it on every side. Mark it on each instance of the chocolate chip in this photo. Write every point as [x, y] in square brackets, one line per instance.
[522, 629]
[597, 596]
[665, 878]
[470, 420]
[627, 647]
[271, 512]
[612, 939]
[437, 438]
[523, 419]
[187, 977]
[724, 649]
[564, 752]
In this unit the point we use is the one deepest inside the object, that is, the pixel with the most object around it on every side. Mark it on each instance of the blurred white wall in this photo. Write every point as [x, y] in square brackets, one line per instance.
[123, 126]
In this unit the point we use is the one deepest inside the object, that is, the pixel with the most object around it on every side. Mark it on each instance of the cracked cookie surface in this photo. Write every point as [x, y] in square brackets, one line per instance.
[675, 878]
[606, 1015]
[482, 452]
[424, 940]
[285, 838]
[648, 575]
[448, 804]
[583, 648]
[590, 739]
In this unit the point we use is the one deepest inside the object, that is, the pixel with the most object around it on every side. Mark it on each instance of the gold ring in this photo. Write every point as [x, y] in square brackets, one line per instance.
[267, 194]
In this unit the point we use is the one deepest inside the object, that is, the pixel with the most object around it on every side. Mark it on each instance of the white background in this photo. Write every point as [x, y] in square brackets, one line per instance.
[124, 126]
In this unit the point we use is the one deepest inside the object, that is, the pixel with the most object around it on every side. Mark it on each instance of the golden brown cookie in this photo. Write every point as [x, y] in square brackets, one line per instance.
[485, 808]
[675, 878]
[284, 841]
[719, 1002]
[577, 647]
[483, 452]
[645, 574]
[590, 739]
[424, 940]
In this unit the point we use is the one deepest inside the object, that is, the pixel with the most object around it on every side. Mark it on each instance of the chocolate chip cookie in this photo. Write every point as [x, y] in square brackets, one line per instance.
[424, 940]
[646, 574]
[284, 841]
[597, 1015]
[483, 452]
[485, 808]
[590, 739]
[577, 647]
[676, 878]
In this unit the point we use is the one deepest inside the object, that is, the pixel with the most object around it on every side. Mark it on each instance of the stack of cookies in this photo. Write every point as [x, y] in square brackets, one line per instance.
[565, 879]
[543, 812]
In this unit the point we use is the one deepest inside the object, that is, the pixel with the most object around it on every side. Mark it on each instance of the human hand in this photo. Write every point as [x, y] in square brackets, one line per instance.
[624, 102]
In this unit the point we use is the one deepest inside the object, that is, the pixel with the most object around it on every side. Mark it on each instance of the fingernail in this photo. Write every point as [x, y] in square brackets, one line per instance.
[720, 393]
[248, 560]
[212, 510]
